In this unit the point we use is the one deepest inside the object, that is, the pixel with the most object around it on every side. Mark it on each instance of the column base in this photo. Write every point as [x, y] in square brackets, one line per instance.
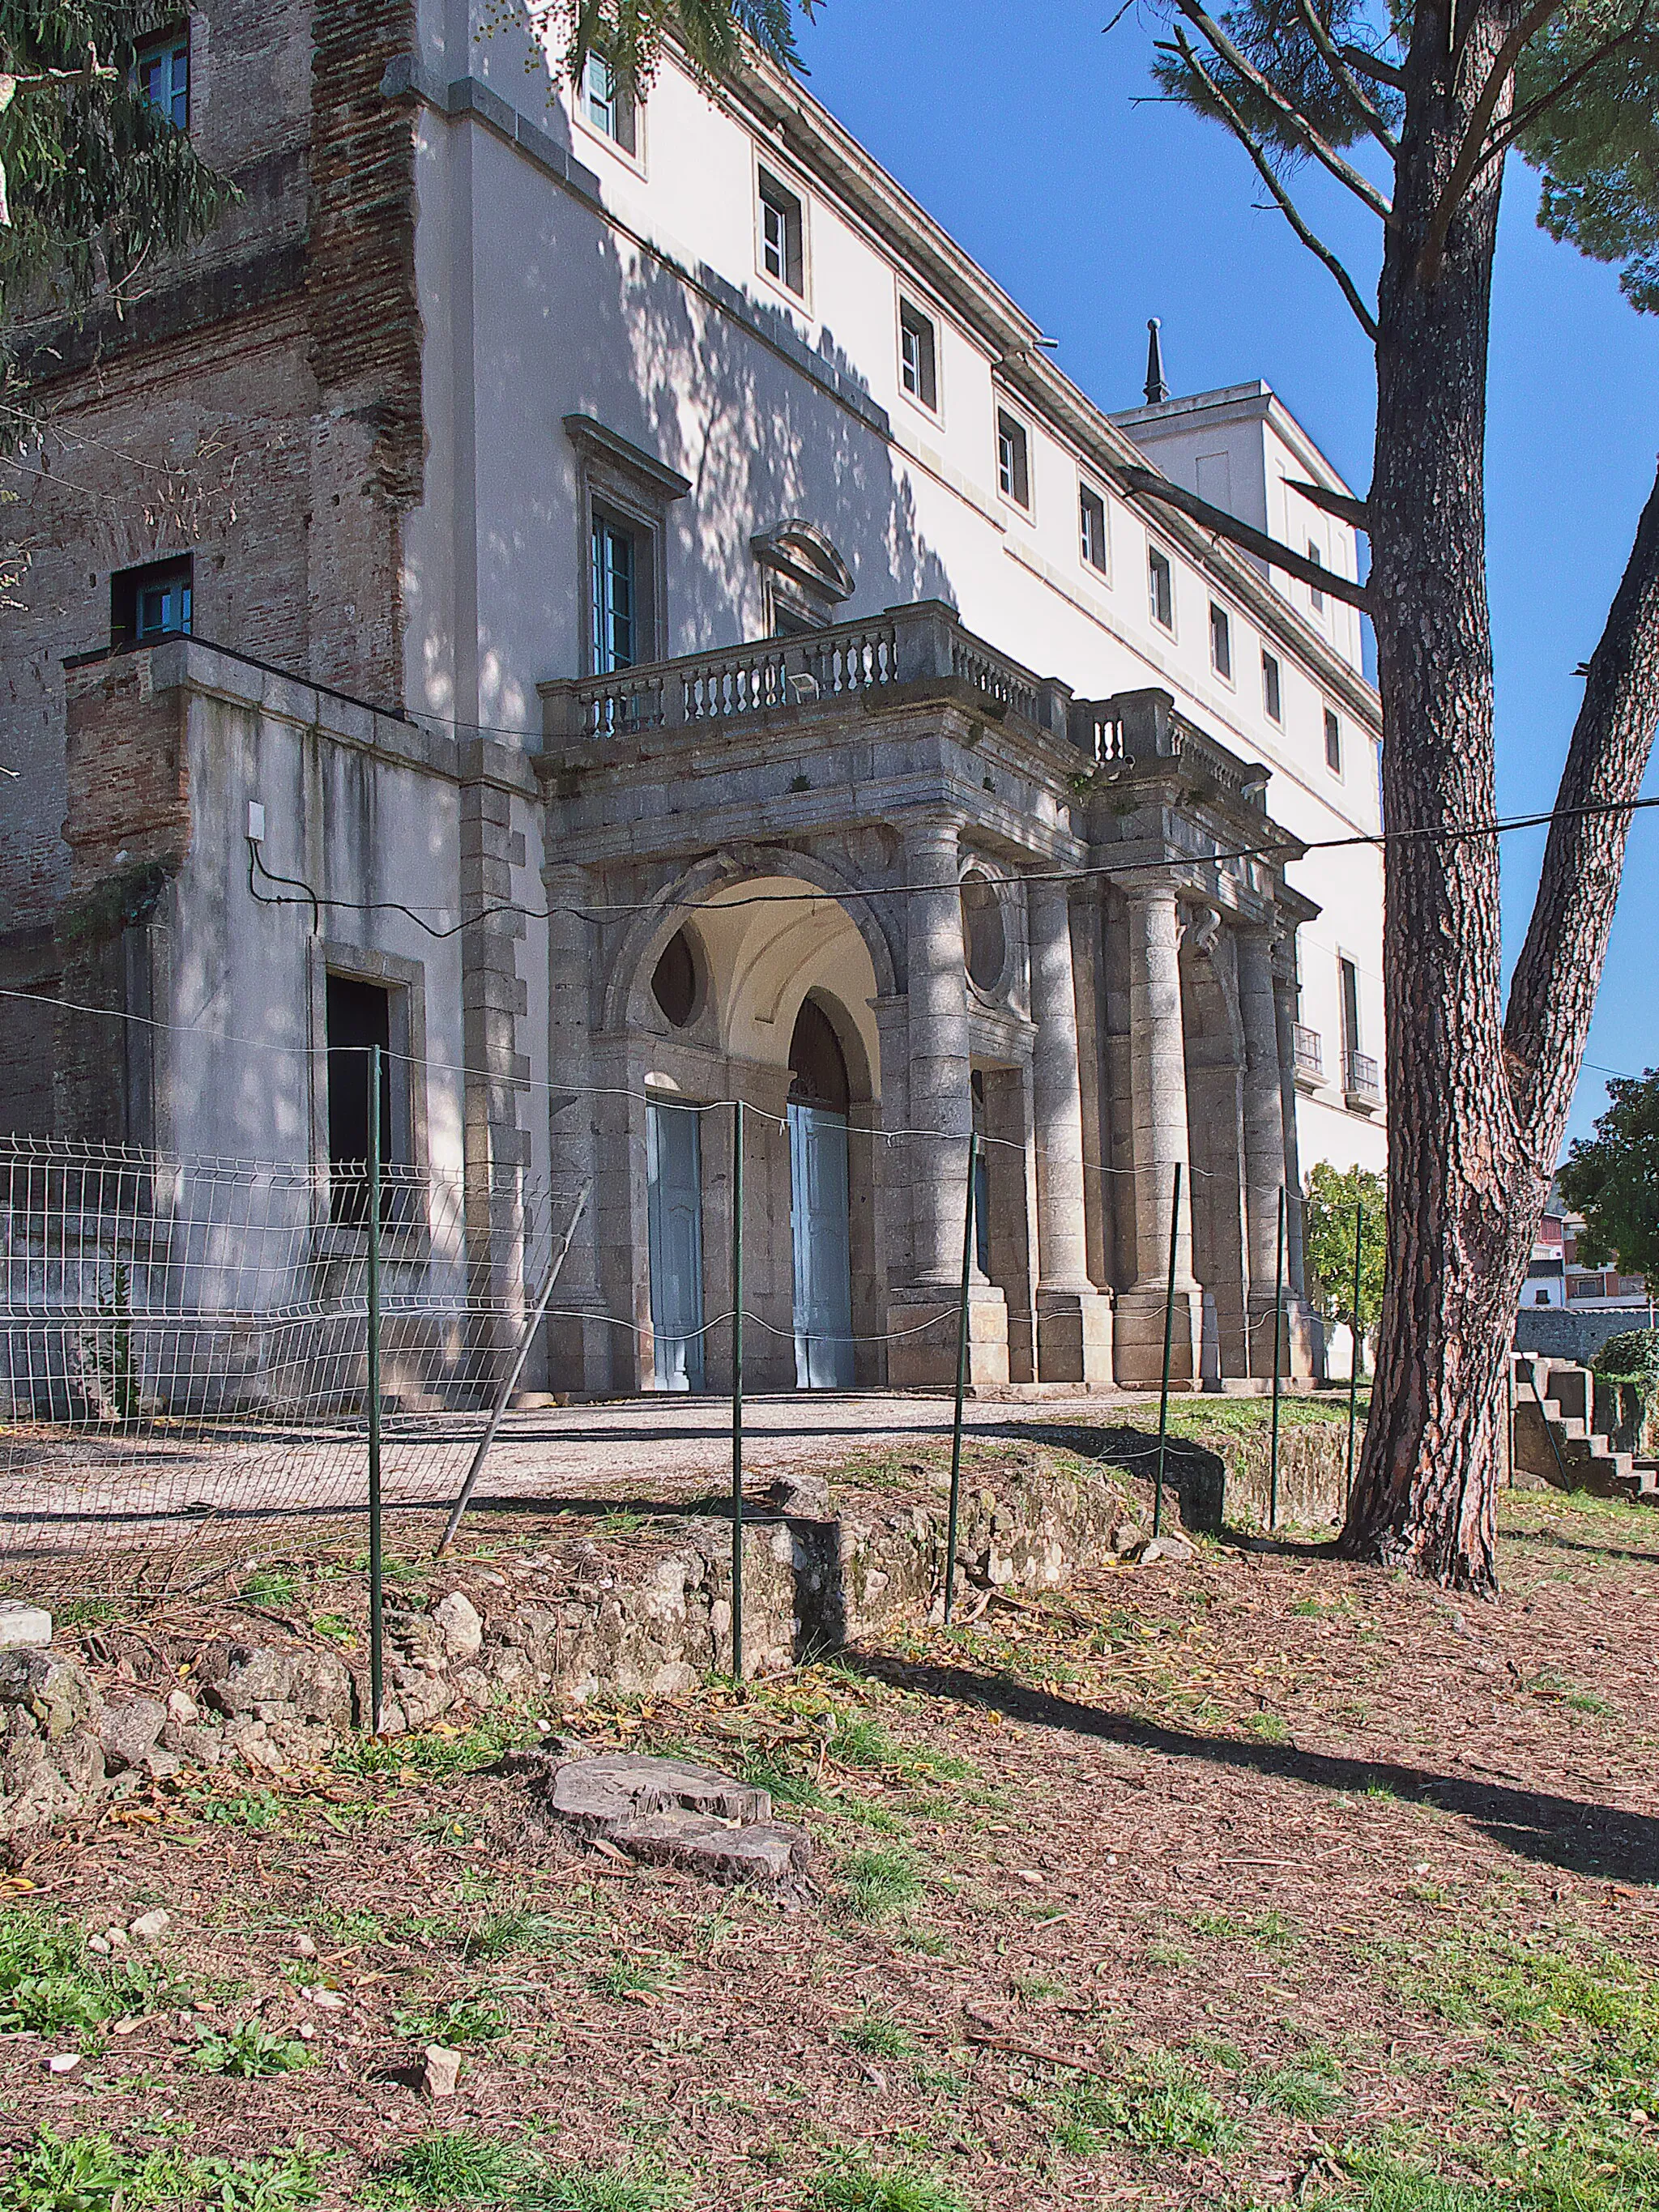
[1137, 1330]
[1302, 1341]
[921, 1348]
[579, 1353]
[1075, 1336]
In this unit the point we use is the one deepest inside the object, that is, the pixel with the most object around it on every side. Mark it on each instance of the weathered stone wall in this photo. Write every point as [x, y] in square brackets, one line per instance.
[561, 1632]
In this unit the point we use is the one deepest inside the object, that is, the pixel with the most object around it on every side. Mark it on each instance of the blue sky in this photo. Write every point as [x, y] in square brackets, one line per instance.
[1020, 130]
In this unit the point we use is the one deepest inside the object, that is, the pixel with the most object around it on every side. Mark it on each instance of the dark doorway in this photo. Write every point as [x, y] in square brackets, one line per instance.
[358, 1015]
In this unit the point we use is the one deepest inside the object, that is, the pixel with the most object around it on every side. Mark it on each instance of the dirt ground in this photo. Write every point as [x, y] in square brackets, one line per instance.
[1255, 1878]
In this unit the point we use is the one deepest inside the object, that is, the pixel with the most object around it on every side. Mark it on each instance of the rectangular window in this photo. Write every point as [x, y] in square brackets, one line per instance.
[608, 105]
[1160, 587]
[615, 585]
[163, 73]
[1272, 699]
[1221, 642]
[357, 1015]
[1014, 459]
[783, 237]
[1348, 979]
[918, 367]
[1332, 741]
[1092, 528]
[151, 602]
[1316, 596]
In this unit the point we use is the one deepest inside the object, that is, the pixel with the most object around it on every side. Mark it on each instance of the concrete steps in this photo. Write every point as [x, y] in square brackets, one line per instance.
[1566, 1424]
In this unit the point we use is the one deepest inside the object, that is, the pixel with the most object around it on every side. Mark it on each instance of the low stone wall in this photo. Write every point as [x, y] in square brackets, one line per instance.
[557, 1631]
[1559, 1333]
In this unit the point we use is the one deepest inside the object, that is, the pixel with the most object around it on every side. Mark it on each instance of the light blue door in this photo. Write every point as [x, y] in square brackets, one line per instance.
[674, 1212]
[823, 1276]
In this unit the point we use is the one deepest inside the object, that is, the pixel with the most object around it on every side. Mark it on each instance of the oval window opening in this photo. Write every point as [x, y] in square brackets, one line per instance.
[984, 939]
[674, 985]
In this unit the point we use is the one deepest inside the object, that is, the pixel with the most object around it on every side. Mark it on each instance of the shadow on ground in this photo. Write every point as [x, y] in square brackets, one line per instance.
[1595, 1841]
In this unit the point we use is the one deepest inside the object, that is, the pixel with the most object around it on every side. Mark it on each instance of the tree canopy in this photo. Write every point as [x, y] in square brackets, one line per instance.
[1335, 1198]
[1612, 1178]
[98, 182]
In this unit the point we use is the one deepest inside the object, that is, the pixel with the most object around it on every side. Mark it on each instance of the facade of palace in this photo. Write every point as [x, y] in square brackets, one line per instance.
[609, 603]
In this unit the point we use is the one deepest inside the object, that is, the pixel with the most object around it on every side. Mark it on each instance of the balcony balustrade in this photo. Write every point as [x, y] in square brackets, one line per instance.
[1310, 1052]
[902, 646]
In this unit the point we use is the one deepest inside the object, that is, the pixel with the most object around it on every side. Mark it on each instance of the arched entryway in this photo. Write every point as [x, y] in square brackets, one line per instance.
[820, 1217]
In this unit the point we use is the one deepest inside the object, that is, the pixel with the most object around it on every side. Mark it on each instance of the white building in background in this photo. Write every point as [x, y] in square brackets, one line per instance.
[684, 580]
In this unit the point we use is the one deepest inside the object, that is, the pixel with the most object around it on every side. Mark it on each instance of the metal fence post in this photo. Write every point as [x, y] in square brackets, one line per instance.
[376, 1594]
[962, 1382]
[1168, 1331]
[1353, 1363]
[1279, 1340]
[737, 1388]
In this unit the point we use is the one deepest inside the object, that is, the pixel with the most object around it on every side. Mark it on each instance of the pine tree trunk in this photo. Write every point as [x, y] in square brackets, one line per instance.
[1462, 1202]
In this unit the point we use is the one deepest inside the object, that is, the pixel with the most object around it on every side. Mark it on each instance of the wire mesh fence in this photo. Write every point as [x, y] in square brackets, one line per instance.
[184, 1343]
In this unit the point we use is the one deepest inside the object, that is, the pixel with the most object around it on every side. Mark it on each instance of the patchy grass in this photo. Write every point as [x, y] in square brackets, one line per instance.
[1080, 1934]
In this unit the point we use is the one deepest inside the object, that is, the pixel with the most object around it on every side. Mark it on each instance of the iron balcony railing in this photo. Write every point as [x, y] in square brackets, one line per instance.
[1362, 1077]
[1309, 1052]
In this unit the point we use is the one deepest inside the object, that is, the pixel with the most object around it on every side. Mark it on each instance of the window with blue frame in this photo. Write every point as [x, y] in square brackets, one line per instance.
[615, 596]
[163, 72]
[150, 602]
[608, 105]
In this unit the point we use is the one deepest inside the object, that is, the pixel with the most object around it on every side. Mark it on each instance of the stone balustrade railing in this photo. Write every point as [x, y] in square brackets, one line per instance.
[904, 645]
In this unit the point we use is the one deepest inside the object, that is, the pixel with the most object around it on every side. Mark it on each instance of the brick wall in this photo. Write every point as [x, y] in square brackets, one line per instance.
[259, 407]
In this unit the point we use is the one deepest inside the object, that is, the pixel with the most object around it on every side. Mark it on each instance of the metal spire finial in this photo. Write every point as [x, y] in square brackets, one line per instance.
[1157, 389]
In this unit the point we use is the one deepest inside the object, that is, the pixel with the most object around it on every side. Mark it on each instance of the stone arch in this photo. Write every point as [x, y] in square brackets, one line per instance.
[627, 992]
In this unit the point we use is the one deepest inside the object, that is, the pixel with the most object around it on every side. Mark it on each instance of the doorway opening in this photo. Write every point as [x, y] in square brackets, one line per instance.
[673, 1170]
[820, 1212]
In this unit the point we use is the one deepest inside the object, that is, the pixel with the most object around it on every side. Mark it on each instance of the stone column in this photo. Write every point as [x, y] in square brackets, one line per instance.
[578, 1337]
[922, 1314]
[1264, 1136]
[1307, 1331]
[494, 1000]
[1074, 1323]
[941, 1105]
[1158, 1068]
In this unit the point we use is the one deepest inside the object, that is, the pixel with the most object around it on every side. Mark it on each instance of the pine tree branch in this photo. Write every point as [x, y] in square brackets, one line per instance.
[1265, 170]
[1146, 483]
[1373, 66]
[1503, 140]
[1333, 502]
[1295, 122]
[1471, 154]
[1552, 994]
[1369, 113]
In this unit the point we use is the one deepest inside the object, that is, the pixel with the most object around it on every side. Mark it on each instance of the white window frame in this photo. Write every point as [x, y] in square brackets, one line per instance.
[634, 156]
[1027, 506]
[1087, 489]
[1157, 552]
[769, 171]
[1273, 706]
[908, 302]
[1330, 723]
[1223, 675]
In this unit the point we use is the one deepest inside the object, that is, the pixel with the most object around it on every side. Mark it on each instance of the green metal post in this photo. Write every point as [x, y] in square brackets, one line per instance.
[1168, 1331]
[737, 1388]
[962, 1383]
[1279, 1344]
[376, 1594]
[1353, 1363]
